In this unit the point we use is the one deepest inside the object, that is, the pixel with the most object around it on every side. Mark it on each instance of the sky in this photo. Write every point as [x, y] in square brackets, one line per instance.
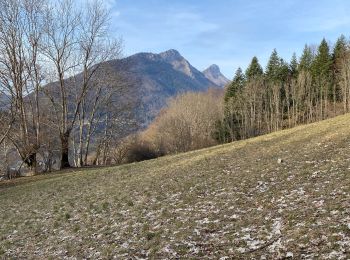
[227, 32]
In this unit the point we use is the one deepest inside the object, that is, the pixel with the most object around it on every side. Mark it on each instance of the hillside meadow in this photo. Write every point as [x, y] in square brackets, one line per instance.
[282, 195]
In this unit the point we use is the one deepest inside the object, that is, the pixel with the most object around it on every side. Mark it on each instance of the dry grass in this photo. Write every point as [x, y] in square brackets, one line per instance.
[231, 201]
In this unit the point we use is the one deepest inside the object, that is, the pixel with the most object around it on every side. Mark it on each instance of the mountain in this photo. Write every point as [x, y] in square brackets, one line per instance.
[146, 81]
[158, 77]
[214, 74]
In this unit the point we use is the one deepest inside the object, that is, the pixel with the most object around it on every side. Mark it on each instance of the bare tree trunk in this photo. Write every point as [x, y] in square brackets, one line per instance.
[81, 135]
[65, 150]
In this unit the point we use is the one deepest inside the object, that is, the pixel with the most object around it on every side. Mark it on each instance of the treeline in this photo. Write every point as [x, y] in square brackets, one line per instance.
[59, 102]
[314, 87]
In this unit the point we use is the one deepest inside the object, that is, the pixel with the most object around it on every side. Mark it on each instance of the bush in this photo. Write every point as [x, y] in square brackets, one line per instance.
[141, 151]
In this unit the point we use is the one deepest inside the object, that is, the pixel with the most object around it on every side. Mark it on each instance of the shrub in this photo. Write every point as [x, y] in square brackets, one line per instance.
[141, 151]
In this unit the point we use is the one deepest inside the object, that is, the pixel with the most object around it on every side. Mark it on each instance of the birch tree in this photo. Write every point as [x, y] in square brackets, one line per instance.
[21, 24]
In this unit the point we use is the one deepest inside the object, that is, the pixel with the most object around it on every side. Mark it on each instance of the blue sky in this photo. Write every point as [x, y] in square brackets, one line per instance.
[227, 32]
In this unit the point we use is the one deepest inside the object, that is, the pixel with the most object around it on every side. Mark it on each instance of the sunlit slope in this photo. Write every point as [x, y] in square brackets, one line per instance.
[234, 200]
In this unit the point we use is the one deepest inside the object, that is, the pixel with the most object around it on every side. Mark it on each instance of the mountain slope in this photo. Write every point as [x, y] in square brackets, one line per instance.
[232, 201]
[214, 74]
[158, 77]
[147, 79]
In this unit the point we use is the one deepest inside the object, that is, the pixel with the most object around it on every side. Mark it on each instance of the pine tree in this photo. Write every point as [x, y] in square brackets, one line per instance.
[321, 71]
[229, 128]
[293, 66]
[254, 70]
[340, 48]
[338, 58]
[306, 59]
[322, 64]
[339, 53]
[277, 70]
[273, 67]
[236, 85]
[283, 72]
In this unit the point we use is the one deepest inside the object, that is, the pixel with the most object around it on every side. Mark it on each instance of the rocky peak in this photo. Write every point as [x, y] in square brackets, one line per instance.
[170, 54]
[177, 61]
[214, 74]
[214, 70]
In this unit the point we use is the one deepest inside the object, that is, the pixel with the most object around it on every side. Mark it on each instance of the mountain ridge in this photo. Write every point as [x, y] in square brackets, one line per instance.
[160, 76]
[148, 78]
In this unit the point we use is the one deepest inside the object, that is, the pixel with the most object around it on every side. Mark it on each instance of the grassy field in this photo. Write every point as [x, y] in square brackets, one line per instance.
[232, 201]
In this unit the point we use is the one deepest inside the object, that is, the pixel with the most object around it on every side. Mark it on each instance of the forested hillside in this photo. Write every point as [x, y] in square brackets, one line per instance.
[306, 89]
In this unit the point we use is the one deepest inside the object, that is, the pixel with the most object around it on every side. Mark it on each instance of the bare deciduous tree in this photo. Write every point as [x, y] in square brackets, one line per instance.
[20, 36]
[187, 123]
[76, 43]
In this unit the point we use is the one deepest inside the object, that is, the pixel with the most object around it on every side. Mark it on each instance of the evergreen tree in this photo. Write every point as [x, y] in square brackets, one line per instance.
[283, 72]
[321, 71]
[338, 58]
[254, 70]
[273, 67]
[228, 129]
[306, 59]
[340, 46]
[277, 70]
[339, 52]
[323, 61]
[221, 131]
[236, 85]
[293, 66]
